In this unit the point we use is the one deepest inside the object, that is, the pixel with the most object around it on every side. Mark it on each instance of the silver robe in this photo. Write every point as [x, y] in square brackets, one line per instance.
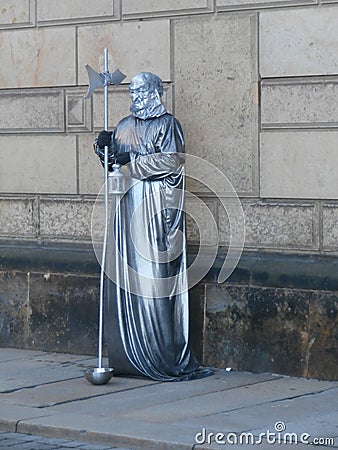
[146, 315]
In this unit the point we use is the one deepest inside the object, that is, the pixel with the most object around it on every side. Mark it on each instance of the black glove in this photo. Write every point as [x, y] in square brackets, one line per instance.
[104, 139]
[123, 158]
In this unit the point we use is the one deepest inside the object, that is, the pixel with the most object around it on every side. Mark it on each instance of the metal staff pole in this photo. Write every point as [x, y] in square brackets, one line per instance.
[100, 375]
[106, 212]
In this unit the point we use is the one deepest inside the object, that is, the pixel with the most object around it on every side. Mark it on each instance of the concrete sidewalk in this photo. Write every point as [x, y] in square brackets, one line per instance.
[46, 394]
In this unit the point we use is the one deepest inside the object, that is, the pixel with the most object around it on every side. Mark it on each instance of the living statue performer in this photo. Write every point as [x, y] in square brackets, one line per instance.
[146, 316]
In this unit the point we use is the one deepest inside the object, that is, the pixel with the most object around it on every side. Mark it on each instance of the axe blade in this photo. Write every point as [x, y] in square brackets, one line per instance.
[117, 77]
[95, 80]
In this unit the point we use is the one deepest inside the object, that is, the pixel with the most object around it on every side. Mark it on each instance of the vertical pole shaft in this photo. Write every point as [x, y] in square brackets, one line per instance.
[106, 91]
[106, 205]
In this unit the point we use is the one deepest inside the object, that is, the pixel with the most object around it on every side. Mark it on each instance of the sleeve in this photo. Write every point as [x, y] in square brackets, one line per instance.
[170, 138]
[168, 158]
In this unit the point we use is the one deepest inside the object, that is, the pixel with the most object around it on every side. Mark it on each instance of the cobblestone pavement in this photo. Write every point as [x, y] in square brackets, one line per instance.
[17, 441]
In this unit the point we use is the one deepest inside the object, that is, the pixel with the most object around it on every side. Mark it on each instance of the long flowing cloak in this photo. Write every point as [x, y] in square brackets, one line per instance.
[146, 316]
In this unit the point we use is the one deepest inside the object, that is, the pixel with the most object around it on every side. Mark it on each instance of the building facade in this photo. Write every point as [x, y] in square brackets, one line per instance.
[254, 84]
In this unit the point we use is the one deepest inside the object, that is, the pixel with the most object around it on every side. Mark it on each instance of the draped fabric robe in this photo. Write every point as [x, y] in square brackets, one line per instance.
[146, 315]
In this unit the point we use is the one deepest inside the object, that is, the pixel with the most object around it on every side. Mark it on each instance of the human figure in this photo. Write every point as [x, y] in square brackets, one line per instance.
[146, 314]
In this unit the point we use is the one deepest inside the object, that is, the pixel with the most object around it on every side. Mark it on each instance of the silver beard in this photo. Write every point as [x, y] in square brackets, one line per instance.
[153, 109]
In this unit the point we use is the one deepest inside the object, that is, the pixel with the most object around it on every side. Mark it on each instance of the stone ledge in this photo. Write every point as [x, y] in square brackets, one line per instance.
[133, 9]
[237, 5]
[315, 272]
[64, 12]
[294, 271]
[56, 258]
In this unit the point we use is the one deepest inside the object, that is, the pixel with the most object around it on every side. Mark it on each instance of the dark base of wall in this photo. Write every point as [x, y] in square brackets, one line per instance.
[276, 313]
[277, 330]
[49, 297]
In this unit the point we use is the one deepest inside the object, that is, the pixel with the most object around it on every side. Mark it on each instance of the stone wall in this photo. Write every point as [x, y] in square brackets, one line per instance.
[254, 84]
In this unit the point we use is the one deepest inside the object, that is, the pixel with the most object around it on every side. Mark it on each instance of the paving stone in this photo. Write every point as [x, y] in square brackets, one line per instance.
[34, 442]
[68, 391]
[41, 369]
[7, 443]
[154, 416]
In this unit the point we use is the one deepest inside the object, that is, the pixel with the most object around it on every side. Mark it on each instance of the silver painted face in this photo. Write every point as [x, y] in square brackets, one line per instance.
[140, 94]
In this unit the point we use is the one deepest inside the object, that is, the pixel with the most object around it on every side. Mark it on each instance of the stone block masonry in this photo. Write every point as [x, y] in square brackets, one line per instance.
[254, 84]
